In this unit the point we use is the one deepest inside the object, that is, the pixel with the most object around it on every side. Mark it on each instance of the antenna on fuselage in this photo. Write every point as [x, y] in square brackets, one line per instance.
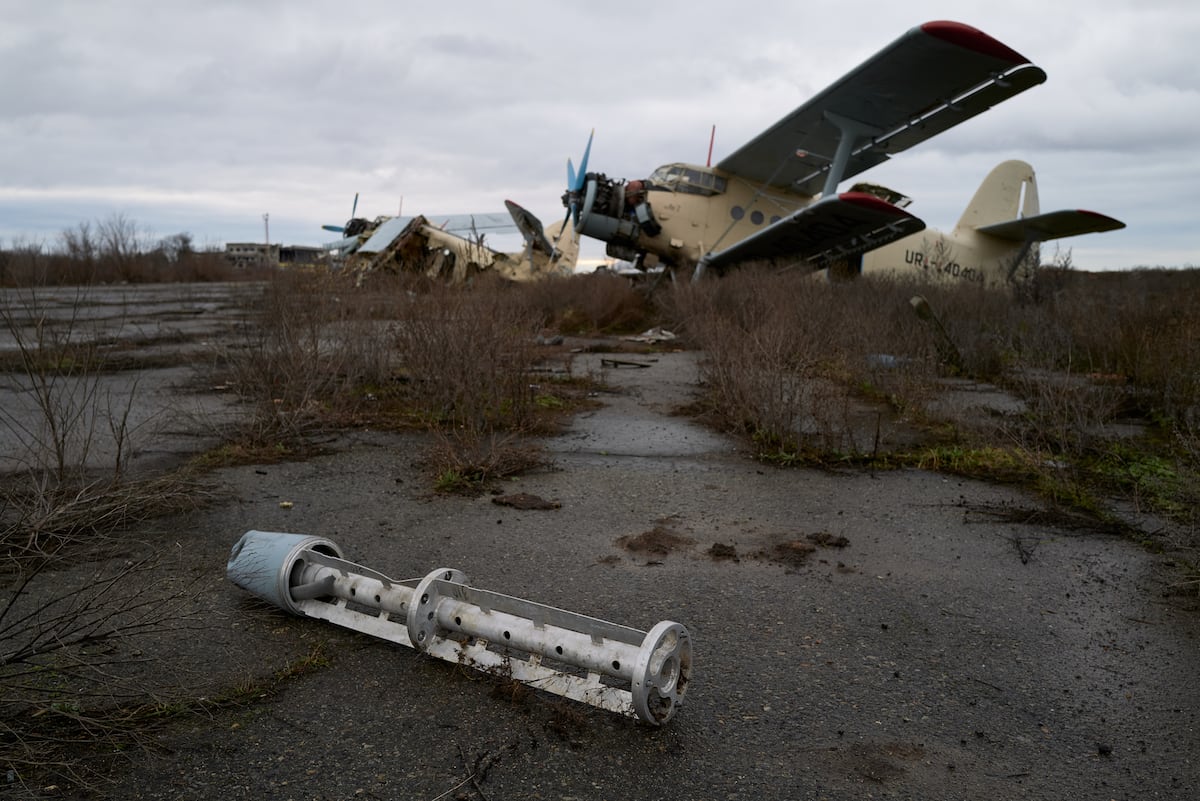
[712, 137]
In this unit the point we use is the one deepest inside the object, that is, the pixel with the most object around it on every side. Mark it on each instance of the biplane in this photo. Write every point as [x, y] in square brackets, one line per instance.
[776, 199]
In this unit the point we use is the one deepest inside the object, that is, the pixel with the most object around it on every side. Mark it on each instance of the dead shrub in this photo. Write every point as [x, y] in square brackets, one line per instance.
[597, 303]
[467, 461]
[311, 348]
[466, 356]
[71, 435]
[789, 359]
[76, 686]
[40, 520]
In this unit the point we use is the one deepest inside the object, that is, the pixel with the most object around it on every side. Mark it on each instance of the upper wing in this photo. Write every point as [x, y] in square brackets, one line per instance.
[462, 225]
[1052, 225]
[842, 225]
[927, 81]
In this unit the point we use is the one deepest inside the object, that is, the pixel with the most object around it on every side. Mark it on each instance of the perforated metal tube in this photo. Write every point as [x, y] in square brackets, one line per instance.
[614, 667]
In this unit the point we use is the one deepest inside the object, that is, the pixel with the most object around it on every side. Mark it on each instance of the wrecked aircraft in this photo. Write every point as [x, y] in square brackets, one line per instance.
[451, 248]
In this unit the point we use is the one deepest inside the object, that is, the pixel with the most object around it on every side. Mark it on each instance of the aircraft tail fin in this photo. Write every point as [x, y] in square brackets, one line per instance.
[1006, 206]
[1008, 193]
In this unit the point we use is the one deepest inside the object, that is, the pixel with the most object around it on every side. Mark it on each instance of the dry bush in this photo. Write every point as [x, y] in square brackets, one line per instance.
[311, 350]
[597, 303]
[76, 685]
[70, 437]
[789, 358]
[70, 669]
[1094, 348]
[466, 356]
[1143, 326]
[60, 408]
[466, 461]
[42, 520]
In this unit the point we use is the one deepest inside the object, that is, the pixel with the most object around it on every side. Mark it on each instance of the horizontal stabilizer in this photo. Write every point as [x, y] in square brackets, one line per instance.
[839, 226]
[1052, 225]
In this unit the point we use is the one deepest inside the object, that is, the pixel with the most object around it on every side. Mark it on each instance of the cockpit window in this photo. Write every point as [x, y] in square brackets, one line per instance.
[685, 178]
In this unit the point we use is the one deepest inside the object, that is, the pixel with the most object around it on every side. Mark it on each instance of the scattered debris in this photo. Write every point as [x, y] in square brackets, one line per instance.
[523, 501]
[792, 553]
[653, 336]
[658, 540]
[720, 551]
[795, 552]
[622, 363]
[827, 540]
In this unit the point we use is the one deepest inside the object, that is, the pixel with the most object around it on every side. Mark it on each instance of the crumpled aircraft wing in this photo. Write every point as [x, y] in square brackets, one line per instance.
[1052, 225]
[927, 81]
[461, 225]
[530, 226]
[843, 225]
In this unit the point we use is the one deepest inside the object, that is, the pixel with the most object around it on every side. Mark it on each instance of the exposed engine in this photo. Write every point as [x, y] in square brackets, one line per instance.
[616, 212]
[356, 226]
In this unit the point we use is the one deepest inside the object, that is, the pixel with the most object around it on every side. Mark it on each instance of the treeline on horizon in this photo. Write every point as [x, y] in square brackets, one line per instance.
[113, 250]
[118, 250]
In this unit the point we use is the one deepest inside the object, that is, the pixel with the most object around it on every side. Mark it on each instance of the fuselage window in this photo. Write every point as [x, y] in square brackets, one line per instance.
[689, 180]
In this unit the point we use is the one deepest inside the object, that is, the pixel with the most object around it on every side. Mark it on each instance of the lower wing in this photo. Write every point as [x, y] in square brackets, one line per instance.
[832, 228]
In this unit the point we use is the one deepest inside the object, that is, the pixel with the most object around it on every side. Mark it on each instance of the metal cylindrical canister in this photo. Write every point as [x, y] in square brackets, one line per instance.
[264, 563]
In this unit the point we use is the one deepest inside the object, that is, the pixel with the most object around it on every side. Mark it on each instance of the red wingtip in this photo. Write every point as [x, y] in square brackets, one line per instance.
[872, 202]
[957, 33]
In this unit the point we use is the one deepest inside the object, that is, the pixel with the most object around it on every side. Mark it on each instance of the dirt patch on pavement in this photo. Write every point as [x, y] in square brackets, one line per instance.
[525, 501]
[658, 541]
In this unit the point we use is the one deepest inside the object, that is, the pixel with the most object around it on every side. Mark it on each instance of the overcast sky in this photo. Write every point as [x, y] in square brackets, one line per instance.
[204, 116]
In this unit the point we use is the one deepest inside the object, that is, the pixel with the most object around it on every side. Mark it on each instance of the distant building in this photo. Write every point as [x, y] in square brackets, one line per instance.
[248, 255]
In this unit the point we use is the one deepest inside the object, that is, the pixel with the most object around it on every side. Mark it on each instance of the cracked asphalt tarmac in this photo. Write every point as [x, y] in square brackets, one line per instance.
[941, 652]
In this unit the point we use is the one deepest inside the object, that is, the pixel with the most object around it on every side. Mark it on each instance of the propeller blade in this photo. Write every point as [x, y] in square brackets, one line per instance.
[571, 177]
[587, 151]
[354, 208]
[337, 229]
